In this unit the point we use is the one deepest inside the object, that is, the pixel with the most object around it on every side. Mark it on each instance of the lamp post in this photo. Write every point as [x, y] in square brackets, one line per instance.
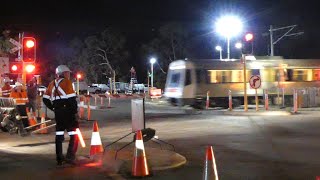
[78, 77]
[152, 61]
[218, 48]
[228, 26]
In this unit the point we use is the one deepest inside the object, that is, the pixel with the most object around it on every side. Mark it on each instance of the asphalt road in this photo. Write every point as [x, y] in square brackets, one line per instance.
[245, 147]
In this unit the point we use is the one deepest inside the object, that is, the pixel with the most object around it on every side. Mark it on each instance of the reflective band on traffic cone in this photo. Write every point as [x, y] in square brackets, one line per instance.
[139, 164]
[43, 125]
[210, 168]
[96, 145]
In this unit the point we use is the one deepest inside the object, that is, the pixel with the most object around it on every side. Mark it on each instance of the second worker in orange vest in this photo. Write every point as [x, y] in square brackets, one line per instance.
[20, 98]
[6, 89]
[61, 98]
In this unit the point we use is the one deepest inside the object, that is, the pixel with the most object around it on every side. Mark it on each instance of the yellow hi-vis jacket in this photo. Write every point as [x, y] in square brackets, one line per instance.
[20, 98]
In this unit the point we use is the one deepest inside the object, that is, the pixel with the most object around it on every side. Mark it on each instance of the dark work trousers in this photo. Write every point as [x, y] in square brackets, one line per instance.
[21, 109]
[65, 120]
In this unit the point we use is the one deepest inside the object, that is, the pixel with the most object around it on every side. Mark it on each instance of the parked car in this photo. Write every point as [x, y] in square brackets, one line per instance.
[103, 87]
[94, 89]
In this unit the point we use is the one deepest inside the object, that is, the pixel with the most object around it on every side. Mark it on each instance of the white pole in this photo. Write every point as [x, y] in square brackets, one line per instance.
[151, 75]
[220, 54]
[228, 40]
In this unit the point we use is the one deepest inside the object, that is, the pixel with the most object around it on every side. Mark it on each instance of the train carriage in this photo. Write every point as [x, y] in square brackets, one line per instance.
[188, 81]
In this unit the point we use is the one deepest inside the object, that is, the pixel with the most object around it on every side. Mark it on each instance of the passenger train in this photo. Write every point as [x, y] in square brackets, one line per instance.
[188, 81]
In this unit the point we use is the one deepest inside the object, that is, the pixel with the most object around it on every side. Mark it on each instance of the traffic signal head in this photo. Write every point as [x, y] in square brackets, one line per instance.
[247, 44]
[16, 68]
[28, 49]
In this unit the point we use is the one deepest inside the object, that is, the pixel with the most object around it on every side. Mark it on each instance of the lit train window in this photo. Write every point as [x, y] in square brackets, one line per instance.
[316, 74]
[302, 75]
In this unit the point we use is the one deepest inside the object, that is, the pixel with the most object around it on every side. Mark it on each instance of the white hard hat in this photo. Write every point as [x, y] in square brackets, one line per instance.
[62, 68]
[18, 84]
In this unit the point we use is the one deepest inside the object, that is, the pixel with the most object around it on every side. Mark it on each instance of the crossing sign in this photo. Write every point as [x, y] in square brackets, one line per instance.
[16, 43]
[255, 81]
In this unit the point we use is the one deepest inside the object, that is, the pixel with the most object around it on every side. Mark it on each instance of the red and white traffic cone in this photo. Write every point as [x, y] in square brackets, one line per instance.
[139, 164]
[210, 169]
[96, 144]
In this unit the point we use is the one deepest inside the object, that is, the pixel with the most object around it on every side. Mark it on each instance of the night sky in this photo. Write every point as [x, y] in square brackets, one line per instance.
[60, 21]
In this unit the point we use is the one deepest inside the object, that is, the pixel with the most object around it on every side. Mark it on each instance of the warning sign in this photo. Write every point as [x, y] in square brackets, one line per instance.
[255, 81]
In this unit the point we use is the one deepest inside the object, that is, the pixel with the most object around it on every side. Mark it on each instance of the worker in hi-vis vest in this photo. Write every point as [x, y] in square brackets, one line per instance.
[60, 97]
[20, 98]
[6, 89]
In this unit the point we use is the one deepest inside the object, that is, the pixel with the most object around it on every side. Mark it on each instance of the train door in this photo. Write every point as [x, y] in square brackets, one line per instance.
[189, 89]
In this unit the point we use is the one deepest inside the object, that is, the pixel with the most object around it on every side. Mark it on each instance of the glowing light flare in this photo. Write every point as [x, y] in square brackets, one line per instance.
[238, 45]
[248, 37]
[218, 48]
[30, 68]
[79, 76]
[83, 144]
[29, 44]
[153, 60]
[229, 26]
[14, 68]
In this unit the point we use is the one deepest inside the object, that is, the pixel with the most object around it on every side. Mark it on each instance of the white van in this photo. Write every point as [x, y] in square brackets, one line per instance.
[83, 87]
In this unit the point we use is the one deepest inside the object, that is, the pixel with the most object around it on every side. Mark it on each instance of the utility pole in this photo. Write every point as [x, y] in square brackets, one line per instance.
[271, 30]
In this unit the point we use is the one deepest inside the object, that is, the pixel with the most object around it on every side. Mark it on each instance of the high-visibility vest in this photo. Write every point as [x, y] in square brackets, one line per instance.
[59, 89]
[6, 90]
[20, 98]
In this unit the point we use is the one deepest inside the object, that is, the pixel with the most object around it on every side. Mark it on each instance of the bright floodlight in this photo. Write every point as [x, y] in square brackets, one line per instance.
[229, 26]
[218, 48]
[152, 60]
[238, 45]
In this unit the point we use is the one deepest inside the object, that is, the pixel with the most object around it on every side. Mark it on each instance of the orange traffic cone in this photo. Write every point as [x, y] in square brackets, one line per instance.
[96, 145]
[43, 125]
[31, 119]
[210, 168]
[139, 164]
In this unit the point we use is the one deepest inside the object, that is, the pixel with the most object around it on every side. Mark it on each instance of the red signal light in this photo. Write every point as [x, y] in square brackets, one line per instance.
[249, 37]
[14, 67]
[30, 68]
[30, 43]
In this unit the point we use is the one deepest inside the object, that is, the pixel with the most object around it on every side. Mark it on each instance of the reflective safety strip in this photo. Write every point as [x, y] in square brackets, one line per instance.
[95, 139]
[54, 88]
[59, 132]
[21, 99]
[72, 132]
[46, 96]
[139, 144]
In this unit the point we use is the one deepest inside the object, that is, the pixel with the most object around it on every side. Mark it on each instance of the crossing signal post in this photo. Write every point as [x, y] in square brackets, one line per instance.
[29, 56]
[247, 49]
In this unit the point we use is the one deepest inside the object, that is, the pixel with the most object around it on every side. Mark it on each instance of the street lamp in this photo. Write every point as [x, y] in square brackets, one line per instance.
[238, 45]
[229, 26]
[218, 48]
[152, 61]
[78, 77]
